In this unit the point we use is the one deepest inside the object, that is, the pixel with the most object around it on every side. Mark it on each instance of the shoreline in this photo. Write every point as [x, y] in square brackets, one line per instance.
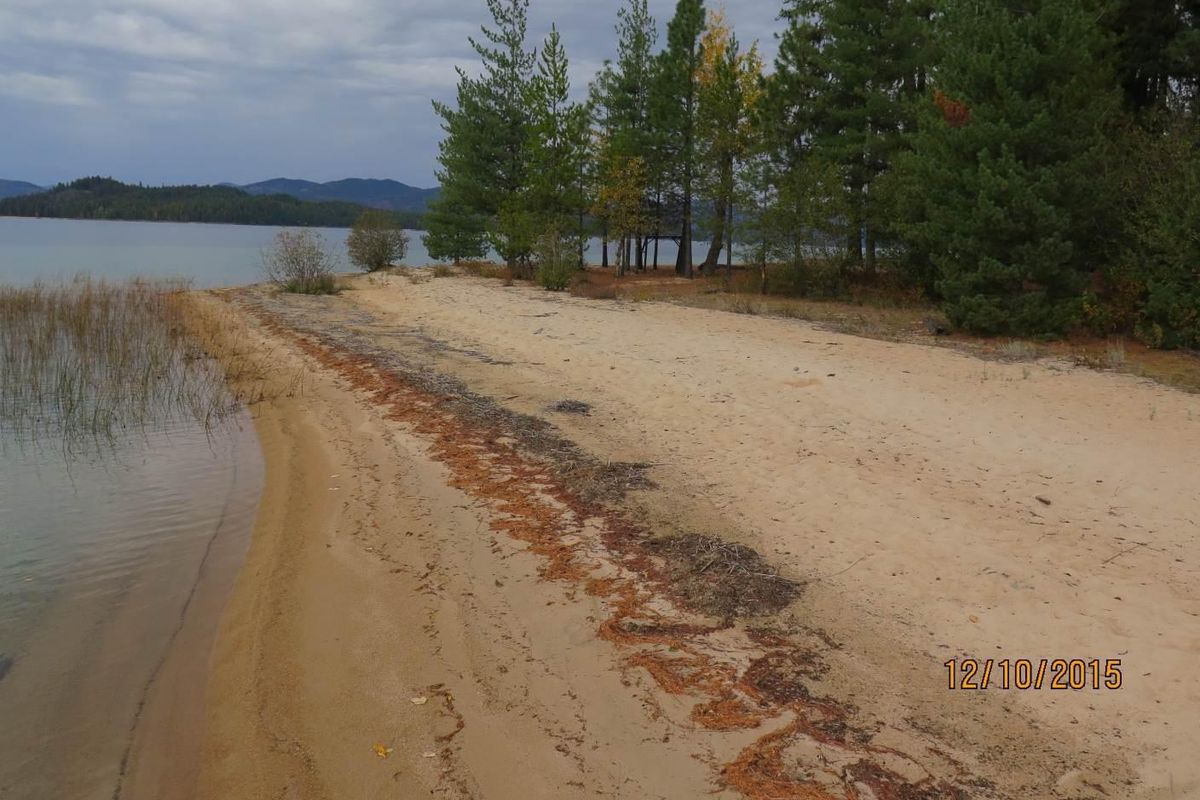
[107, 684]
[406, 623]
[161, 760]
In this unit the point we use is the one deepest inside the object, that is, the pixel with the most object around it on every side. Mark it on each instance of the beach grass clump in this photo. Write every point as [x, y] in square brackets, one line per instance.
[94, 359]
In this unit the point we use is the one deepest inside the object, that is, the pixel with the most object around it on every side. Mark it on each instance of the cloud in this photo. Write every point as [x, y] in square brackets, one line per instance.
[211, 90]
[51, 89]
[169, 88]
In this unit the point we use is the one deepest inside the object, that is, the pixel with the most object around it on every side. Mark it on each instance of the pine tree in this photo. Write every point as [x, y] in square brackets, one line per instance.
[1008, 171]
[454, 232]
[1157, 51]
[846, 76]
[456, 223]
[622, 103]
[673, 115]
[484, 156]
[557, 145]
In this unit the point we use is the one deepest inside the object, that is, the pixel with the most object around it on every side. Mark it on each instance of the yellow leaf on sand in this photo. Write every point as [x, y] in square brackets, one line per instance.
[420, 701]
[382, 750]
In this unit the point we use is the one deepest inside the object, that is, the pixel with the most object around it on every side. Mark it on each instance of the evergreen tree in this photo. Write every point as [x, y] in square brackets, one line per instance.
[847, 74]
[557, 145]
[673, 114]
[484, 155]
[1157, 51]
[622, 102]
[1008, 171]
[454, 232]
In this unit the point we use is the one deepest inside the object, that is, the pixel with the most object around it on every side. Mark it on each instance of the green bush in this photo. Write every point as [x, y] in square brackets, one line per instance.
[557, 260]
[376, 241]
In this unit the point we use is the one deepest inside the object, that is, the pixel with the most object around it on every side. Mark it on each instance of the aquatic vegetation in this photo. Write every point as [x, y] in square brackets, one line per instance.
[91, 359]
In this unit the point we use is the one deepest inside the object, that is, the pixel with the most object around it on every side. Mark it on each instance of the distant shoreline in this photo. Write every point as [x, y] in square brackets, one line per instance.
[107, 199]
[184, 222]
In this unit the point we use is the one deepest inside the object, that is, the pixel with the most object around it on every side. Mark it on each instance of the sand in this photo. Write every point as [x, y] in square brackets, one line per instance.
[426, 610]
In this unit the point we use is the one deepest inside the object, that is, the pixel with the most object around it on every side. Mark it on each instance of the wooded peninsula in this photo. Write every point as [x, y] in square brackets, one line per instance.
[105, 198]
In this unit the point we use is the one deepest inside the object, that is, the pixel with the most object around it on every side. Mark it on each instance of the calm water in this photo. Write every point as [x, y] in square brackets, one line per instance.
[117, 553]
[210, 255]
[100, 557]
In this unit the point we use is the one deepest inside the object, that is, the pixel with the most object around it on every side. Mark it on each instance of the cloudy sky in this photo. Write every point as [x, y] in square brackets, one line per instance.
[167, 91]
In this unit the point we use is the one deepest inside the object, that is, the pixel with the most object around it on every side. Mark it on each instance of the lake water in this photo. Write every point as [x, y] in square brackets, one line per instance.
[209, 255]
[116, 553]
[102, 559]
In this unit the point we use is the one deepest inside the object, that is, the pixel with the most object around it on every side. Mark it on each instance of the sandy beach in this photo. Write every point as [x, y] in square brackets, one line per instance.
[734, 566]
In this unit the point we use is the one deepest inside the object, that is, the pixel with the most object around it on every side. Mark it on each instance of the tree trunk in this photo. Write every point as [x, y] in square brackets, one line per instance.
[729, 243]
[582, 240]
[657, 226]
[685, 244]
[604, 246]
[854, 243]
[718, 241]
[870, 254]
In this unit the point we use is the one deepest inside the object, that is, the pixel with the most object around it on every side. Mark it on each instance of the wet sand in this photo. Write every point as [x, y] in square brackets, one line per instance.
[738, 576]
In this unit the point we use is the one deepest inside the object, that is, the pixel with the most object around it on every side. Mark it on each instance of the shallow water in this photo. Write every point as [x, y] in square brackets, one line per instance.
[209, 255]
[100, 559]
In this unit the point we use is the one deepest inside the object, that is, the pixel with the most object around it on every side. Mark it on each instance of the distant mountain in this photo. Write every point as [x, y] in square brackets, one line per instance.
[105, 198]
[18, 188]
[387, 194]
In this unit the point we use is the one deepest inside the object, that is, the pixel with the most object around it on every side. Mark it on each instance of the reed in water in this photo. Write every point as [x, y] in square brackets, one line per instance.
[91, 359]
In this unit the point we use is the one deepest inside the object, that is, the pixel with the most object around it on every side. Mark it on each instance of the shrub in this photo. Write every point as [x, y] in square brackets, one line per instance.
[376, 241]
[810, 278]
[557, 260]
[299, 262]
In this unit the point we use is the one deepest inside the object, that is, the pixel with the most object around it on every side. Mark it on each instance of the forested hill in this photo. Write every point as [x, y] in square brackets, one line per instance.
[105, 198]
[17, 188]
[385, 194]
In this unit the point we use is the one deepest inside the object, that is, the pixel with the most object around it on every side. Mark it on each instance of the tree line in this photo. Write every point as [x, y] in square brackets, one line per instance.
[1031, 165]
[108, 199]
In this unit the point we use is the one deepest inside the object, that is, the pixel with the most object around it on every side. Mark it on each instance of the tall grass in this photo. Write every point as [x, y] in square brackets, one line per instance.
[91, 359]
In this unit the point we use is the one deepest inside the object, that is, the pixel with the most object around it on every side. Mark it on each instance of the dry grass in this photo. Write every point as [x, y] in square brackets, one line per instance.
[591, 291]
[1018, 350]
[486, 269]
